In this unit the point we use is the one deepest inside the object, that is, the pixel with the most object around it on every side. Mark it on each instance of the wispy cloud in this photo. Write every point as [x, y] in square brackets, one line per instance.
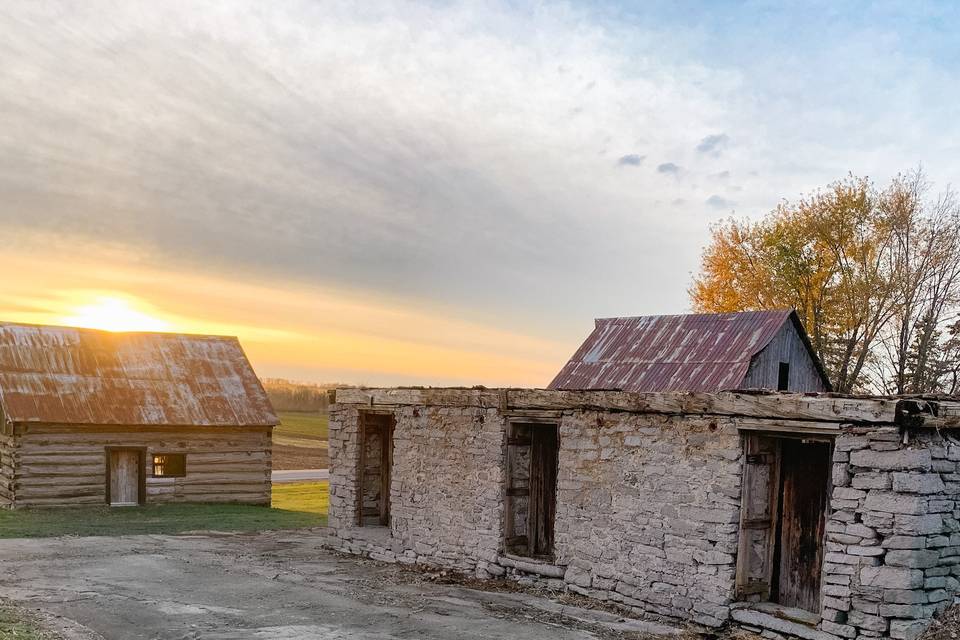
[668, 167]
[713, 144]
[719, 202]
[631, 160]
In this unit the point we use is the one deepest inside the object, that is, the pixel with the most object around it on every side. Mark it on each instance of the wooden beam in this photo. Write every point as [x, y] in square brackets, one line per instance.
[824, 409]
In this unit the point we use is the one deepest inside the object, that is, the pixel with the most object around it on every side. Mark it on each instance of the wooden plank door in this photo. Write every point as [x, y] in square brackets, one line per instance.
[758, 512]
[125, 472]
[805, 471]
[543, 489]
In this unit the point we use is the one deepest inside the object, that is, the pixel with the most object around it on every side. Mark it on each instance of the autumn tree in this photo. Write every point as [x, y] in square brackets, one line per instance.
[863, 267]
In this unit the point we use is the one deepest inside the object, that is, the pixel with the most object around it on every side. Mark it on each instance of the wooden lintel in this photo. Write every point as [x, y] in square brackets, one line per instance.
[827, 411]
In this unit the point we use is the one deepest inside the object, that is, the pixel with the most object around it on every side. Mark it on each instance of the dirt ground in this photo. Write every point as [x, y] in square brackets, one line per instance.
[272, 586]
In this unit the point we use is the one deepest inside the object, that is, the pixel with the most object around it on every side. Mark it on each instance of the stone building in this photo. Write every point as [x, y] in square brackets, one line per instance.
[812, 516]
[696, 352]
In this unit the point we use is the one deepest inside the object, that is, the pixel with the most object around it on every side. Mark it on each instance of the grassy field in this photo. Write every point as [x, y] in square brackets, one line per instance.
[310, 426]
[300, 442]
[295, 506]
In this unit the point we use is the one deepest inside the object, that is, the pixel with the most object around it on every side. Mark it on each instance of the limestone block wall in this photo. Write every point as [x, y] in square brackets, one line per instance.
[648, 510]
[647, 505]
[893, 538]
[446, 492]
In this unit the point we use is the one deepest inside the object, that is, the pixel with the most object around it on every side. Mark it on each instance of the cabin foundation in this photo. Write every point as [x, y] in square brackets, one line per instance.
[812, 516]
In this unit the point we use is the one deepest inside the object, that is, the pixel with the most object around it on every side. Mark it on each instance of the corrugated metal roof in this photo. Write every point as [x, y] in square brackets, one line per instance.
[696, 352]
[65, 375]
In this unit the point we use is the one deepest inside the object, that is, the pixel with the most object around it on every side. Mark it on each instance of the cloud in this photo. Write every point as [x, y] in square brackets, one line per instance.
[668, 167]
[713, 144]
[719, 202]
[722, 175]
[427, 152]
[631, 160]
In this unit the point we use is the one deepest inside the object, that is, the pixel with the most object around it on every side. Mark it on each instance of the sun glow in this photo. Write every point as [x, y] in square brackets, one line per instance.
[114, 314]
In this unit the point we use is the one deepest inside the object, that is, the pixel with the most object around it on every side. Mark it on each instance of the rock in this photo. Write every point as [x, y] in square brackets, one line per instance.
[846, 493]
[855, 550]
[919, 558]
[868, 480]
[904, 596]
[888, 502]
[919, 459]
[906, 629]
[858, 529]
[891, 577]
[917, 483]
[918, 525]
[904, 542]
[842, 630]
[867, 621]
[774, 623]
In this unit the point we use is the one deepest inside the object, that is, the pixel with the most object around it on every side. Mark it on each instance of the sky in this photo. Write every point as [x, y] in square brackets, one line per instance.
[433, 193]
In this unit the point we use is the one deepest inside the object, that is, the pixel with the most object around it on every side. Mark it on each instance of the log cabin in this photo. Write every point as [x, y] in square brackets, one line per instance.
[97, 417]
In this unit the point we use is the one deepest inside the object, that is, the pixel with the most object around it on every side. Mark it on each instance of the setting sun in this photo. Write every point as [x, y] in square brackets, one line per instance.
[114, 314]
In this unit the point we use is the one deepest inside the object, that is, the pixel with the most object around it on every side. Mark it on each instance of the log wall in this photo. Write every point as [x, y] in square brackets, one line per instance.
[7, 448]
[63, 465]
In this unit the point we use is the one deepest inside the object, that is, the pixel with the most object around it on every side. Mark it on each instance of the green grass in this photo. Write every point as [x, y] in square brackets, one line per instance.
[295, 506]
[302, 425]
[16, 626]
[303, 497]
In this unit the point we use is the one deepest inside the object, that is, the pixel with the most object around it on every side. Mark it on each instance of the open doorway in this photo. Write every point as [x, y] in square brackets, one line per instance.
[786, 485]
[531, 488]
[374, 469]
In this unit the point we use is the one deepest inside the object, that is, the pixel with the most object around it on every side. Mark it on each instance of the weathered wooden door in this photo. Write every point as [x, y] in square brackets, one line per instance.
[758, 515]
[805, 473]
[543, 489]
[125, 477]
[530, 503]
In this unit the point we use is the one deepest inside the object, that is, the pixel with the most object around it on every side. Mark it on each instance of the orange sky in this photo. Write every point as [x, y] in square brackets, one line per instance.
[309, 334]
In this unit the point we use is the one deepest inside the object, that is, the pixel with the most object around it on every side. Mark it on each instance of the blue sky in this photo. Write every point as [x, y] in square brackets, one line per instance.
[514, 167]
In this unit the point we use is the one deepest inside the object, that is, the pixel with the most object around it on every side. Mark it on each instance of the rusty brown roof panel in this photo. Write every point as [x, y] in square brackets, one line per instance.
[64, 375]
[696, 352]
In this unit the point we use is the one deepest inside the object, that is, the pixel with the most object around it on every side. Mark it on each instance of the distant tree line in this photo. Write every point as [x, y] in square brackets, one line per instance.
[873, 272]
[294, 396]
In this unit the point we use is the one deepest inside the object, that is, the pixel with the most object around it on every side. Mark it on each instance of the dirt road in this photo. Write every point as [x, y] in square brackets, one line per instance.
[268, 586]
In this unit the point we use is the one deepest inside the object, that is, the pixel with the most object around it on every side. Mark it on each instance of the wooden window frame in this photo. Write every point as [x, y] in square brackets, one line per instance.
[153, 465]
[141, 471]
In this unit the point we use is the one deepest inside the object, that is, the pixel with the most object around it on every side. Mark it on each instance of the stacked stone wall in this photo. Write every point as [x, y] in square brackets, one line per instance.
[647, 511]
[893, 538]
[647, 505]
[647, 514]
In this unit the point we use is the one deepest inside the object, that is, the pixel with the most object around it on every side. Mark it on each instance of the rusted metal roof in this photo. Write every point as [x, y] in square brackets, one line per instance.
[63, 375]
[696, 352]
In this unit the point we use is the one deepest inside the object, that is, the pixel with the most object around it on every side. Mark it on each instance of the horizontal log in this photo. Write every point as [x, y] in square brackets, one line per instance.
[57, 501]
[433, 397]
[25, 470]
[188, 486]
[62, 481]
[71, 491]
[785, 406]
[239, 498]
